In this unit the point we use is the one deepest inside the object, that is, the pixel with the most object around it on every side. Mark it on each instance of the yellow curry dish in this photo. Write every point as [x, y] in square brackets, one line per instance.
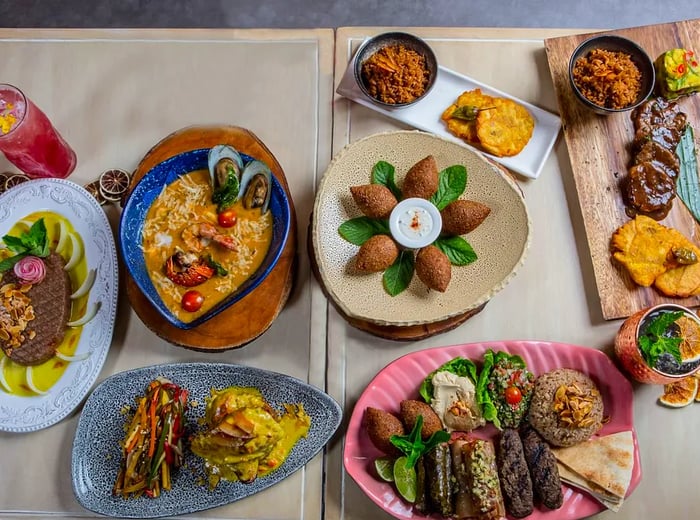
[208, 232]
[244, 437]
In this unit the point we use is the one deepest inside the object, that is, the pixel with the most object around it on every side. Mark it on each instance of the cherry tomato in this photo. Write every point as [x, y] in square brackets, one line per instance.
[227, 218]
[513, 395]
[192, 301]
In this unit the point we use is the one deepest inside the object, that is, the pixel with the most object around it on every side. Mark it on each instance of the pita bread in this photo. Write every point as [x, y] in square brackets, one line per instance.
[570, 478]
[603, 465]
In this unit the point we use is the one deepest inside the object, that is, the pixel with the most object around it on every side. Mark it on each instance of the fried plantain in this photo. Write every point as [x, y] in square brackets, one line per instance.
[505, 130]
[648, 249]
[460, 117]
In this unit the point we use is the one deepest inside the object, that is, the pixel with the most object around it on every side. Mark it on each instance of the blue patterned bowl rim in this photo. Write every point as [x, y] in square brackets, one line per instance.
[135, 211]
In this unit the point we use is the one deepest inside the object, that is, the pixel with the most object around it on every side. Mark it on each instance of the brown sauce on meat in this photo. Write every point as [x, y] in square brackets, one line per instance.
[649, 188]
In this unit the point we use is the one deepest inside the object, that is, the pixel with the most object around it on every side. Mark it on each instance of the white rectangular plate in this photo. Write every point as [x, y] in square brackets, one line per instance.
[425, 115]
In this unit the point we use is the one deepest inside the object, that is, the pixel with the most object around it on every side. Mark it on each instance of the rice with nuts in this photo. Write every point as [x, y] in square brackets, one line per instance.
[607, 78]
[566, 407]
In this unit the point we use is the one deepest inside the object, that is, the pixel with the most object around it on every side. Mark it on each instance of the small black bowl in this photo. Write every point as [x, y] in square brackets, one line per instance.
[615, 44]
[369, 47]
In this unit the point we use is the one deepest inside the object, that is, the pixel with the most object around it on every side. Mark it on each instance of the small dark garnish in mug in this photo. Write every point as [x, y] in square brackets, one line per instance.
[656, 340]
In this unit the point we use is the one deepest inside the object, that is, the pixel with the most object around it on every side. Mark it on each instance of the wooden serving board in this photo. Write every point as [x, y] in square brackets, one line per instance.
[599, 150]
[393, 332]
[248, 318]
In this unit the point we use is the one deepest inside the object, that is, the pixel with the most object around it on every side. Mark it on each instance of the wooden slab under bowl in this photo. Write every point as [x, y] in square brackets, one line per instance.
[599, 150]
[248, 318]
[393, 332]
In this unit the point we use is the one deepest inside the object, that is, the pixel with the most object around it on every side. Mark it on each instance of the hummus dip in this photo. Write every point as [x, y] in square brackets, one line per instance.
[454, 401]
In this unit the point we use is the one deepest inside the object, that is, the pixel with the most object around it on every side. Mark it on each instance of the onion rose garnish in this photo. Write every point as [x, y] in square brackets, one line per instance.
[30, 270]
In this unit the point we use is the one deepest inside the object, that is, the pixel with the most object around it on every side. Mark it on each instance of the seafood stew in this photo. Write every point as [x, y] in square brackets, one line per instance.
[196, 254]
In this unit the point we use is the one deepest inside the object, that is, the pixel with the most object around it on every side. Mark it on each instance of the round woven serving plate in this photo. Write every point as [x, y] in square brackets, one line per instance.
[500, 242]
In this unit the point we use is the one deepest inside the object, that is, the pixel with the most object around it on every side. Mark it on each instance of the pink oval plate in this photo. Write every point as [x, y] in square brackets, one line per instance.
[400, 380]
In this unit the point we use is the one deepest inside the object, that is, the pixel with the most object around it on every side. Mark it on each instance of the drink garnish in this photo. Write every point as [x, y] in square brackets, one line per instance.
[7, 117]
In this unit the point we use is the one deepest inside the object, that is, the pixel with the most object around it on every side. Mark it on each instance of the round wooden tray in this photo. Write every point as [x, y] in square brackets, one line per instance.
[250, 317]
[393, 332]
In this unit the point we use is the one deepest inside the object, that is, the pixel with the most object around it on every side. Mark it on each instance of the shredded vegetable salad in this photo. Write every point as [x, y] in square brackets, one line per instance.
[153, 445]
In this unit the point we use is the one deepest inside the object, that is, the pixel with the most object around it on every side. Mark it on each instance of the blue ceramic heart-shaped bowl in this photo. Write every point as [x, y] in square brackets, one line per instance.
[134, 216]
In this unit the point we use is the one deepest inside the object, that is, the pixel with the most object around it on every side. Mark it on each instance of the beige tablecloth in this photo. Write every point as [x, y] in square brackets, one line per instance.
[113, 94]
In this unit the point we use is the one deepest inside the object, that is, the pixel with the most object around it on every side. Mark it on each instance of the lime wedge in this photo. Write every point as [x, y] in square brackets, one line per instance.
[385, 468]
[405, 479]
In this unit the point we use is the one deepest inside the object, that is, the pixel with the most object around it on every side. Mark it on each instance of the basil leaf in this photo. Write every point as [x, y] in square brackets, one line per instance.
[15, 244]
[35, 238]
[398, 275]
[451, 184]
[412, 445]
[458, 250]
[9, 263]
[359, 230]
[383, 173]
[687, 183]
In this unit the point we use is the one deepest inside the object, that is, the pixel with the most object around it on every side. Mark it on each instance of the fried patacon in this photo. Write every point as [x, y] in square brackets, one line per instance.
[681, 281]
[460, 117]
[647, 250]
[506, 129]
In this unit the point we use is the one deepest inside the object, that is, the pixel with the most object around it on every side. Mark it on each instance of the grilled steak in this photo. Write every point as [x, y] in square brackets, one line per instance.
[515, 477]
[543, 469]
[51, 302]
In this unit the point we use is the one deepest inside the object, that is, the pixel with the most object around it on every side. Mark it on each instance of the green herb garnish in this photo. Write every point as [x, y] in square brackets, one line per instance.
[413, 446]
[460, 366]
[458, 250]
[220, 270]
[655, 341]
[226, 195]
[468, 112]
[398, 275]
[29, 243]
[359, 230]
[383, 173]
[451, 184]
[687, 183]
[483, 397]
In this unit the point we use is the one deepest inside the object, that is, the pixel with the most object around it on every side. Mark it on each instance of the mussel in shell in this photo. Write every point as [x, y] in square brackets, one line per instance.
[225, 167]
[256, 186]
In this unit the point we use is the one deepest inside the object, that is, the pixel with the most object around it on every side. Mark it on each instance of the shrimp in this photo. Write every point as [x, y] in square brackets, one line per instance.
[197, 237]
[187, 269]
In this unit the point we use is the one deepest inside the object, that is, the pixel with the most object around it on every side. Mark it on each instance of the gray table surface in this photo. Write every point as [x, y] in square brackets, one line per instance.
[602, 14]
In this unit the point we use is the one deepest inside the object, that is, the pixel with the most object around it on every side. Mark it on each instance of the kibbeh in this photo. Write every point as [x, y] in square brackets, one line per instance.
[374, 200]
[421, 180]
[375, 255]
[433, 268]
[381, 425]
[463, 216]
[411, 409]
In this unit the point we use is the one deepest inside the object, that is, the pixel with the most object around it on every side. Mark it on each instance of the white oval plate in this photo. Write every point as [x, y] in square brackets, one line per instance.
[26, 414]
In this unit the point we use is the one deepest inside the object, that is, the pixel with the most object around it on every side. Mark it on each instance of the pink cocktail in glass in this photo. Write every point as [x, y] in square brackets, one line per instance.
[29, 140]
